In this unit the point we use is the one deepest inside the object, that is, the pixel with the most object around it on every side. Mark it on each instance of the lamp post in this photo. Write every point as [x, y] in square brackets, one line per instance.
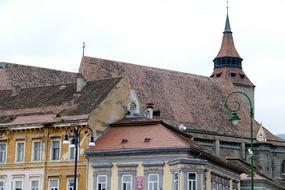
[75, 132]
[235, 119]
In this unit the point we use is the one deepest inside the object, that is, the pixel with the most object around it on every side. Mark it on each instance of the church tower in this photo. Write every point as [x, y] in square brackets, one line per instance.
[228, 64]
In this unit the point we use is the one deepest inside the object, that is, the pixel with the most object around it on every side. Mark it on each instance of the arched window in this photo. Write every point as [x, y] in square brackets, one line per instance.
[283, 167]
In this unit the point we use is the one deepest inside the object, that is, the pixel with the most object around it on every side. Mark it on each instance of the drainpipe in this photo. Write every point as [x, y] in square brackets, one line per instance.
[46, 157]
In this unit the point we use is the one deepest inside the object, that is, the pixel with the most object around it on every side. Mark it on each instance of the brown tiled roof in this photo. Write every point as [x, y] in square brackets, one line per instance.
[194, 100]
[135, 136]
[159, 135]
[228, 47]
[52, 103]
[235, 75]
[22, 76]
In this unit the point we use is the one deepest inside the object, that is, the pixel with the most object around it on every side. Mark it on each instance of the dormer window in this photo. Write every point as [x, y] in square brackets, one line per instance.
[147, 140]
[124, 141]
[218, 75]
[242, 76]
[233, 74]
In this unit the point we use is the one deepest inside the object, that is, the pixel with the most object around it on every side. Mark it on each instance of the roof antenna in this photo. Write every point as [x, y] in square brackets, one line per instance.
[83, 48]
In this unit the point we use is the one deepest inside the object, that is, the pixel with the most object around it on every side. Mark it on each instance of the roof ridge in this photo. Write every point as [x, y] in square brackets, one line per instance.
[147, 67]
[16, 64]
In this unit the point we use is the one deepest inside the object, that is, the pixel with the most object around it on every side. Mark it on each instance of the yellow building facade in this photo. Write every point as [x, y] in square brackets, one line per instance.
[32, 153]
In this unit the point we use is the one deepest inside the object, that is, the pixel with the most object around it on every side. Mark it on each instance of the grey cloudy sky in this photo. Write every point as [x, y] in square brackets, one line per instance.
[182, 35]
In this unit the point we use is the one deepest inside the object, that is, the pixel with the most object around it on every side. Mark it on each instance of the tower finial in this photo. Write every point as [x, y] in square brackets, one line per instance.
[227, 6]
[83, 48]
[227, 26]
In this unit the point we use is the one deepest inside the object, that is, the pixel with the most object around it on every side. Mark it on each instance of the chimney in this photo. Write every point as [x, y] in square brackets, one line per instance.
[81, 82]
[149, 109]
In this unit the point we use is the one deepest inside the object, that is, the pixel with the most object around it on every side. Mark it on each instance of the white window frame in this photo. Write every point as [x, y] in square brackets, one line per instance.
[122, 181]
[3, 187]
[49, 185]
[67, 180]
[176, 180]
[69, 155]
[51, 150]
[31, 183]
[97, 181]
[188, 180]
[33, 150]
[18, 142]
[14, 183]
[5, 151]
[151, 182]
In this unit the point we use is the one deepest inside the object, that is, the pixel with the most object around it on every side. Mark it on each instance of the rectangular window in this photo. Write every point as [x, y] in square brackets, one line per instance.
[20, 151]
[153, 182]
[175, 181]
[35, 185]
[71, 153]
[2, 185]
[70, 184]
[53, 184]
[18, 185]
[126, 182]
[101, 182]
[192, 181]
[36, 151]
[55, 150]
[214, 185]
[3, 150]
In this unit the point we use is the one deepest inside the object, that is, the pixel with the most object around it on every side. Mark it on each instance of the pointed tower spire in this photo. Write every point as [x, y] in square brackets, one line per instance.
[228, 63]
[228, 55]
[227, 26]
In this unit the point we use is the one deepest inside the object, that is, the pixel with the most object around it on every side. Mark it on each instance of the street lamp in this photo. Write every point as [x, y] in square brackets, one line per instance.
[75, 132]
[235, 119]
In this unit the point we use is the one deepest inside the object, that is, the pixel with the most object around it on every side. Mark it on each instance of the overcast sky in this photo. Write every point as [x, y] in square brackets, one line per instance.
[182, 35]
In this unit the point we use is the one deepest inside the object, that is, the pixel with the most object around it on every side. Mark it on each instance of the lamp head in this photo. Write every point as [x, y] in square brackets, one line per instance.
[92, 142]
[234, 118]
[66, 141]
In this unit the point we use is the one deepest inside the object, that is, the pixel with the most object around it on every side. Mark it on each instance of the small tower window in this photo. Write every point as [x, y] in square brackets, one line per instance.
[242, 76]
[233, 62]
[218, 75]
[228, 61]
[233, 74]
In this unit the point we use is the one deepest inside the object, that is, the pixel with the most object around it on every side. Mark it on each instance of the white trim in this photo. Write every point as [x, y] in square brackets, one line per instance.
[130, 182]
[148, 181]
[16, 149]
[97, 181]
[14, 183]
[39, 185]
[188, 188]
[69, 153]
[51, 153]
[49, 187]
[33, 147]
[174, 180]
[3, 184]
[5, 159]
[67, 180]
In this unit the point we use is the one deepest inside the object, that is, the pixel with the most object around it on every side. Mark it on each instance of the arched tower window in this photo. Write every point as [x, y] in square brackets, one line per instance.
[283, 167]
